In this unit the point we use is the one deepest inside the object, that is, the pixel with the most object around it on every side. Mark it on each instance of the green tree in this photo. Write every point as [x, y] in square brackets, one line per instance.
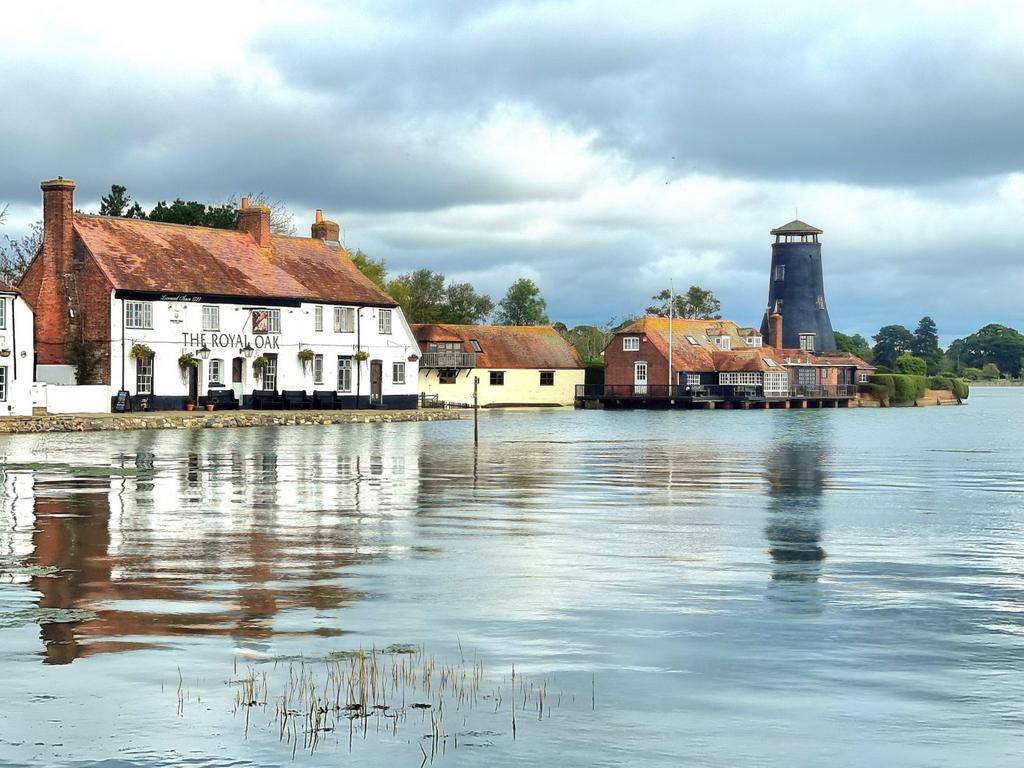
[372, 268]
[522, 305]
[926, 344]
[119, 203]
[588, 340]
[990, 371]
[911, 365]
[997, 344]
[891, 341]
[854, 345]
[420, 295]
[464, 306]
[196, 214]
[695, 304]
[17, 253]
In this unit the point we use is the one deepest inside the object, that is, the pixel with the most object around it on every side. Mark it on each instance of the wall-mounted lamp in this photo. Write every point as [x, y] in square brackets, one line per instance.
[247, 350]
[204, 352]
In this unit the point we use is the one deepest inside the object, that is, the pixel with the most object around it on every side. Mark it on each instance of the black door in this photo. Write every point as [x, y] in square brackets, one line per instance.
[376, 377]
[193, 383]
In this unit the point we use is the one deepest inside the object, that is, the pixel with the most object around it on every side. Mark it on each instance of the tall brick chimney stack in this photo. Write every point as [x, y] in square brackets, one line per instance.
[255, 219]
[53, 321]
[324, 229]
[775, 330]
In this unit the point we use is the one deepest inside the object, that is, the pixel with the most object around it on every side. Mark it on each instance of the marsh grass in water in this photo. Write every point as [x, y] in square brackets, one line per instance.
[398, 693]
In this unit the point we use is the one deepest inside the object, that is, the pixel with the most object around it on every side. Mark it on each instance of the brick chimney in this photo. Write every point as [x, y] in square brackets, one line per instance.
[255, 219]
[775, 330]
[51, 290]
[323, 229]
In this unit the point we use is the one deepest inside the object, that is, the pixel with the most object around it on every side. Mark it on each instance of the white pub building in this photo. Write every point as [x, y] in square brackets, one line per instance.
[184, 314]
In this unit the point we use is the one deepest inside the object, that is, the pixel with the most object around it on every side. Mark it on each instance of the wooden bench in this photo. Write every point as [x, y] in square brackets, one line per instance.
[295, 400]
[325, 400]
[265, 400]
[223, 399]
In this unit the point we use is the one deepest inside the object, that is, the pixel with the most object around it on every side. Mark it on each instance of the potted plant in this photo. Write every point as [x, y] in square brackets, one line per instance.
[140, 351]
[190, 404]
[209, 406]
[306, 357]
[188, 360]
[259, 365]
[361, 356]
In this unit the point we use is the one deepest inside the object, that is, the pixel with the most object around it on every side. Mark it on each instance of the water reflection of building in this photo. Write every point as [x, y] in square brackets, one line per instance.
[795, 471]
[212, 542]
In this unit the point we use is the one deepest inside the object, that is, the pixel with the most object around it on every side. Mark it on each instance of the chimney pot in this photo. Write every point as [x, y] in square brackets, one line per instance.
[325, 229]
[319, 215]
[245, 202]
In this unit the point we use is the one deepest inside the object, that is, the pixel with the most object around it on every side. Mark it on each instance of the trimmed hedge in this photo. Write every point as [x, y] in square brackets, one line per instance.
[905, 389]
[958, 387]
[879, 391]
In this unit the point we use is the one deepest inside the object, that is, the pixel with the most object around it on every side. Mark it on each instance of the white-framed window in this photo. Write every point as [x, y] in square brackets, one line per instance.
[740, 378]
[3, 382]
[820, 302]
[318, 369]
[806, 377]
[807, 342]
[344, 319]
[318, 318]
[344, 374]
[780, 271]
[864, 377]
[769, 362]
[754, 341]
[266, 321]
[398, 373]
[144, 375]
[384, 322]
[3, 314]
[270, 373]
[692, 340]
[724, 342]
[693, 379]
[138, 314]
[630, 343]
[211, 318]
[776, 383]
[476, 346]
[216, 372]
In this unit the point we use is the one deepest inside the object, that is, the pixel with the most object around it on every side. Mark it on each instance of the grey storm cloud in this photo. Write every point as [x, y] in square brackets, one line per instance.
[600, 148]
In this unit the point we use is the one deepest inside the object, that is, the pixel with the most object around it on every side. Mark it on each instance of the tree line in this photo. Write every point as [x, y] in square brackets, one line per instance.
[991, 352]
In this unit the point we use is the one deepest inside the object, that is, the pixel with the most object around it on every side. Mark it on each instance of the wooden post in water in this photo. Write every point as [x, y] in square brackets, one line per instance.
[476, 411]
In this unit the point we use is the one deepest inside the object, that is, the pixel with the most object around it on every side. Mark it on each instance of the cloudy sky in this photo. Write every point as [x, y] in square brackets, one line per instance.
[598, 148]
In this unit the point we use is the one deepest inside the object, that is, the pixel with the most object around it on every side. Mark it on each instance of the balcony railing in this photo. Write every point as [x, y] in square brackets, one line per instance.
[448, 360]
[699, 393]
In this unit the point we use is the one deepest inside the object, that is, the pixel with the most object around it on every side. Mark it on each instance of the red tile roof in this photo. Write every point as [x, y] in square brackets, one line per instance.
[505, 346]
[151, 256]
[7, 288]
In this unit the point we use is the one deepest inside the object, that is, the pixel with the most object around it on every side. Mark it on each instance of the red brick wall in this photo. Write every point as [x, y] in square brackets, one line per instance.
[619, 365]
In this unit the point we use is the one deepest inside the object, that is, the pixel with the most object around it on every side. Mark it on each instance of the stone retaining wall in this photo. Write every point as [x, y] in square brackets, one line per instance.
[207, 420]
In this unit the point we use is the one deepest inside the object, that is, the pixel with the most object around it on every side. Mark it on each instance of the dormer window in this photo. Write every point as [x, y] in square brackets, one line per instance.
[807, 342]
[724, 343]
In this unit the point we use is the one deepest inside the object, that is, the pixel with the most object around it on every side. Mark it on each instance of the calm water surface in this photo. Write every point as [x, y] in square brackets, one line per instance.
[713, 589]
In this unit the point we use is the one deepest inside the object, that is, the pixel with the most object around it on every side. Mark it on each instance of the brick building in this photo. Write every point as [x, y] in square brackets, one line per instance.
[178, 312]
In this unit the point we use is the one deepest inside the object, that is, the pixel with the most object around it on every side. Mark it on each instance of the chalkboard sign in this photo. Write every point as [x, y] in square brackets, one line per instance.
[123, 401]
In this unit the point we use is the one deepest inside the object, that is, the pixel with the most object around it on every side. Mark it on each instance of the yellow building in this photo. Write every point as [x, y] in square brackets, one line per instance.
[517, 365]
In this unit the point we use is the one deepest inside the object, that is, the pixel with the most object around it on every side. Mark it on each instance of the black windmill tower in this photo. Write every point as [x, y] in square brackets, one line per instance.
[796, 291]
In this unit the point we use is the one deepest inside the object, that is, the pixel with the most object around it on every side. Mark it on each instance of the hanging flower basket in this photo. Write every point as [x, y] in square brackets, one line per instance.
[259, 364]
[306, 357]
[188, 360]
[361, 356]
[140, 352]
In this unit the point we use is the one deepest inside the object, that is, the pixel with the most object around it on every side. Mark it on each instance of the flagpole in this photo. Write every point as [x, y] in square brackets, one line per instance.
[671, 308]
